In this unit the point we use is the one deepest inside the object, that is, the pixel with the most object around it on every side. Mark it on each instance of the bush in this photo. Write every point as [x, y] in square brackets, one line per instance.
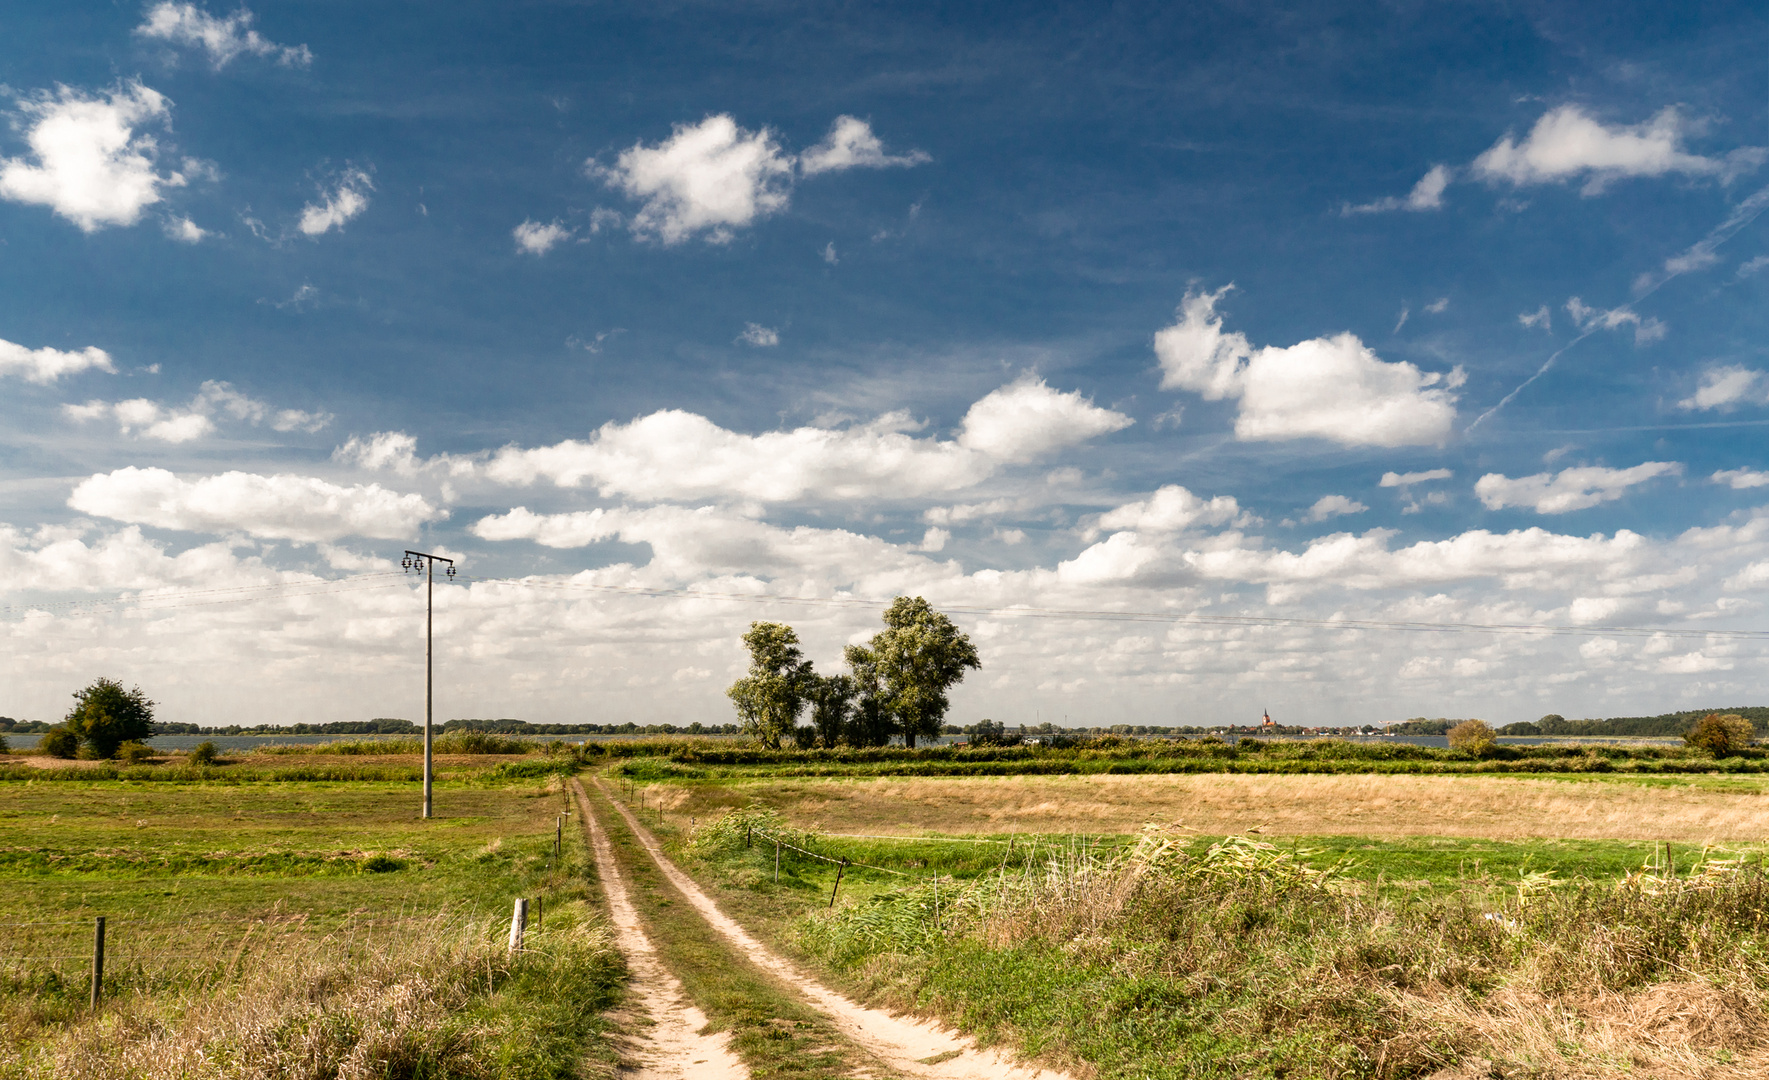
[205, 753]
[105, 716]
[135, 753]
[59, 742]
[4, 748]
[1473, 736]
[1721, 735]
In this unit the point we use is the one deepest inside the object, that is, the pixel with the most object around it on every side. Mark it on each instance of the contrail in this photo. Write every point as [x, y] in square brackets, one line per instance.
[1695, 257]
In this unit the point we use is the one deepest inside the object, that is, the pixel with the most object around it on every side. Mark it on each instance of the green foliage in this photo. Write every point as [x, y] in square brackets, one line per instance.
[4, 747]
[770, 698]
[59, 742]
[1473, 736]
[1721, 734]
[920, 655]
[205, 753]
[832, 700]
[991, 733]
[134, 753]
[105, 716]
[1676, 723]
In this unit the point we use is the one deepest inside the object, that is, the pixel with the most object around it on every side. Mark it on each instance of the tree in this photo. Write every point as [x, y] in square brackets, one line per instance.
[770, 698]
[1473, 736]
[59, 742]
[919, 656]
[871, 721]
[1721, 734]
[832, 702]
[105, 716]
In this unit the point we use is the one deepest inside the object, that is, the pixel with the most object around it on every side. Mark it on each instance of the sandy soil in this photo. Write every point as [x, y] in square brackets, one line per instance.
[911, 1046]
[673, 1048]
[1367, 805]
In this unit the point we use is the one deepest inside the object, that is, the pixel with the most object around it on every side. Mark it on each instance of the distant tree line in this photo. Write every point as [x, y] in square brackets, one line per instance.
[1676, 723]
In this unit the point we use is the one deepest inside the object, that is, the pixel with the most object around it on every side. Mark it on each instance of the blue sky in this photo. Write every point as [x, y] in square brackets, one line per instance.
[1227, 310]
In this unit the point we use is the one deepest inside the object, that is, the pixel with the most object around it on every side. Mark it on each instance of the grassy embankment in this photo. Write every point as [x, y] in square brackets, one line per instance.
[1166, 958]
[291, 927]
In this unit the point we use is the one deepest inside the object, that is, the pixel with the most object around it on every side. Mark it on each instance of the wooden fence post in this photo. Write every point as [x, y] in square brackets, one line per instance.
[538, 910]
[776, 862]
[558, 839]
[518, 923]
[97, 961]
[838, 881]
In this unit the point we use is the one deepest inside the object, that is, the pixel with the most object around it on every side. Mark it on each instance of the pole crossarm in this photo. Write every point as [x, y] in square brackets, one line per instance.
[425, 562]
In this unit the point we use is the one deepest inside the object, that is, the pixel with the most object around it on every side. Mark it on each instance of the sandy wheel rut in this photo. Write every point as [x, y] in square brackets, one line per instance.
[907, 1045]
[673, 1048]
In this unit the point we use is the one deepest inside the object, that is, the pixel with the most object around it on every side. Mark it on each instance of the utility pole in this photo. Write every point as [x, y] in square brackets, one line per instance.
[426, 562]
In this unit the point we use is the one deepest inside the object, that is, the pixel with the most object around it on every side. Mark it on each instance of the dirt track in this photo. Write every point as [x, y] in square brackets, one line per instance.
[909, 1046]
[673, 1048]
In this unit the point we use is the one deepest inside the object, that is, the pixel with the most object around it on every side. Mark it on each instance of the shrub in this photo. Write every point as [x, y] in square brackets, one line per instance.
[59, 742]
[105, 716]
[1721, 735]
[135, 752]
[205, 753]
[4, 748]
[1473, 736]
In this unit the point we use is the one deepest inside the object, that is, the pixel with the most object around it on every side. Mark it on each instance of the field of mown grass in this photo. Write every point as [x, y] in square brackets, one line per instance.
[296, 927]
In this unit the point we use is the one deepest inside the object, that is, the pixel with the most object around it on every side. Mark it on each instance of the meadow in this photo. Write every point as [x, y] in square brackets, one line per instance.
[295, 927]
[1264, 924]
[1115, 909]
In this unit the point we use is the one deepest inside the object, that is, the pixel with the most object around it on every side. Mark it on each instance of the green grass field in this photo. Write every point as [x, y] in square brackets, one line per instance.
[262, 893]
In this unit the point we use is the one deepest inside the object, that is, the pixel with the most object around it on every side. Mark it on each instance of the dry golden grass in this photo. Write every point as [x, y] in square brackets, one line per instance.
[1220, 803]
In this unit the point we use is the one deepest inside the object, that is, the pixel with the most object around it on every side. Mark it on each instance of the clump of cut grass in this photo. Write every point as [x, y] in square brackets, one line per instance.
[1176, 958]
[430, 998]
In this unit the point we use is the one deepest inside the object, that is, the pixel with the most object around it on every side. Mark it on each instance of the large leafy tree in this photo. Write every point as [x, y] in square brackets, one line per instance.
[918, 657]
[770, 698]
[105, 716]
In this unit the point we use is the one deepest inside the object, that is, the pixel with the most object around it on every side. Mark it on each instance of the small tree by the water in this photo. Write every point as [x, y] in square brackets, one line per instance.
[1472, 736]
[1721, 734]
[105, 716]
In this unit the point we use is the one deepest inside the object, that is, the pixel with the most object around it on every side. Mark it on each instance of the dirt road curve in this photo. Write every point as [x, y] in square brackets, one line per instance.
[912, 1047]
[673, 1049]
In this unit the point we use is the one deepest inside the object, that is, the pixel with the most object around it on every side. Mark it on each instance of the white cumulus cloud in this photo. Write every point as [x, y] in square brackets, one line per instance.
[46, 365]
[1726, 386]
[1332, 388]
[707, 178]
[1427, 194]
[152, 420]
[759, 336]
[281, 507]
[536, 238]
[1741, 479]
[1401, 480]
[224, 39]
[1171, 509]
[1569, 489]
[346, 199]
[1026, 420]
[851, 144]
[680, 455]
[1328, 506]
[91, 164]
[1567, 143]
